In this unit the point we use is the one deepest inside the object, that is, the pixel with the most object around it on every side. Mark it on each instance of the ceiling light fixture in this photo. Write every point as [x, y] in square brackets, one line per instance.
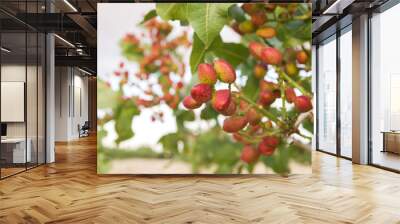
[5, 50]
[70, 5]
[337, 7]
[64, 40]
[84, 71]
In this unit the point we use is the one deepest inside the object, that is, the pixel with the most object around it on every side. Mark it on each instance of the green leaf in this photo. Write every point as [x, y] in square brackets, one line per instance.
[208, 19]
[232, 52]
[308, 125]
[170, 142]
[131, 51]
[208, 113]
[123, 116]
[198, 52]
[151, 14]
[107, 98]
[173, 11]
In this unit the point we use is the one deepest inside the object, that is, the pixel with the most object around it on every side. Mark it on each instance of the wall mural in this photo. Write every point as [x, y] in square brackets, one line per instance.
[204, 88]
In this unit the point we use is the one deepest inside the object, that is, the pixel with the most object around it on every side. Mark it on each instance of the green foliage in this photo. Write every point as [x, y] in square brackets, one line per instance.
[142, 152]
[252, 83]
[198, 52]
[214, 150]
[123, 115]
[170, 142]
[107, 98]
[173, 11]
[151, 14]
[130, 51]
[208, 19]
[208, 113]
[308, 125]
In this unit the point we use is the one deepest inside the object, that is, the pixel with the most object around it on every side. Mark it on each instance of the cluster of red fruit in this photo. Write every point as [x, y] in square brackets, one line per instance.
[160, 58]
[269, 91]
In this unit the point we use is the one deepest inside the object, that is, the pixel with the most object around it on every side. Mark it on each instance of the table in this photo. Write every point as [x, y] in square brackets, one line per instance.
[391, 141]
[13, 150]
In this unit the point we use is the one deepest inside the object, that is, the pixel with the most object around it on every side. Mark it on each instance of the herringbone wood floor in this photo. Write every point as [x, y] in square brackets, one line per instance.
[69, 191]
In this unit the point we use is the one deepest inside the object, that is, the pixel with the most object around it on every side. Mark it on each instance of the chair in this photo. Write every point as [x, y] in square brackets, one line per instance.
[84, 130]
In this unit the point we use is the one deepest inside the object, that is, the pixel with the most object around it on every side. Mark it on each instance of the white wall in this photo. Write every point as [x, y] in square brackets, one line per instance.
[71, 94]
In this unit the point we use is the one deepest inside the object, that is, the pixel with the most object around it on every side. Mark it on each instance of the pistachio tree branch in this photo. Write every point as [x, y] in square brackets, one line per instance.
[294, 83]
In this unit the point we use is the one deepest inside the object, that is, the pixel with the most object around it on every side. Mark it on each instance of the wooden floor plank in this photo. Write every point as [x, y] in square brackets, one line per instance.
[70, 191]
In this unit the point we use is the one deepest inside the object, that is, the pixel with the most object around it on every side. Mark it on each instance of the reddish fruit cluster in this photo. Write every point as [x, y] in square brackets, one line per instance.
[204, 91]
[268, 55]
[158, 59]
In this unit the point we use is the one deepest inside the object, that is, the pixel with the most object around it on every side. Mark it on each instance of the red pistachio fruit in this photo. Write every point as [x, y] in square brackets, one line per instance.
[190, 103]
[201, 92]
[258, 18]
[266, 97]
[234, 123]
[266, 85]
[302, 57]
[271, 141]
[230, 110]
[290, 95]
[303, 103]
[265, 149]
[221, 100]
[256, 49]
[253, 116]
[225, 71]
[207, 74]
[249, 154]
[271, 56]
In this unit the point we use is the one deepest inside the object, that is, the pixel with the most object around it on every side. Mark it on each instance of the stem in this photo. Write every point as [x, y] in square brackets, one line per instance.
[266, 113]
[304, 136]
[294, 84]
[283, 97]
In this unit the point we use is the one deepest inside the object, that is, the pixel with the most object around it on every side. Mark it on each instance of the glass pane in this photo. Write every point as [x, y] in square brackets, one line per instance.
[346, 94]
[14, 153]
[31, 97]
[385, 86]
[327, 96]
[41, 98]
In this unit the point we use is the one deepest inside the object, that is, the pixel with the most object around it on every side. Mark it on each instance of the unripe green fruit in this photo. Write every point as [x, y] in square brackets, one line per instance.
[266, 97]
[271, 56]
[234, 123]
[225, 71]
[221, 100]
[256, 49]
[259, 71]
[201, 92]
[190, 103]
[249, 154]
[246, 27]
[303, 103]
[266, 32]
[290, 95]
[302, 57]
[207, 74]
[291, 69]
